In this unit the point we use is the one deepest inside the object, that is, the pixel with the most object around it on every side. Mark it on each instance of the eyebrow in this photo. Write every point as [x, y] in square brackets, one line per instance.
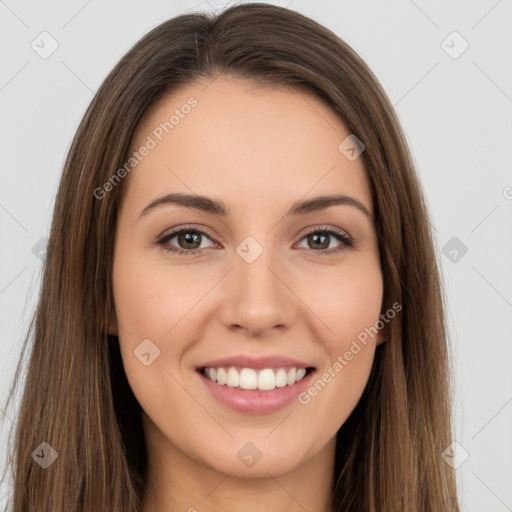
[217, 207]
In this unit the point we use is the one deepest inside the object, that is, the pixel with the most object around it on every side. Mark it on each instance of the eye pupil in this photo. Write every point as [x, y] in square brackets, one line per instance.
[315, 238]
[188, 237]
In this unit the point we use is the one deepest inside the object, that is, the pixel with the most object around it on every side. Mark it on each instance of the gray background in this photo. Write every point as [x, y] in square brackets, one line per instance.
[456, 113]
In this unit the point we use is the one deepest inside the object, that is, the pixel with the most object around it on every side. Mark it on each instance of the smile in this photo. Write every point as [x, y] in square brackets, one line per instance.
[264, 391]
[266, 379]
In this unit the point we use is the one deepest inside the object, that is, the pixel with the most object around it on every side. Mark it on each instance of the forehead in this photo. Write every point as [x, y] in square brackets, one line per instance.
[246, 141]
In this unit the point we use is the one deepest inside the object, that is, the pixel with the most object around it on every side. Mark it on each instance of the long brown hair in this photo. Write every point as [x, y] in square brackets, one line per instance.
[76, 396]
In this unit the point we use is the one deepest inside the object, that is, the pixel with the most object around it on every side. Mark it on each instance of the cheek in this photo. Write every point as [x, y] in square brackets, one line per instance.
[351, 311]
[152, 304]
[161, 304]
[151, 300]
[353, 314]
[348, 303]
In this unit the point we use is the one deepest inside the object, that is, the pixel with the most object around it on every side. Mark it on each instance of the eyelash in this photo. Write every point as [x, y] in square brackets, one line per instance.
[346, 241]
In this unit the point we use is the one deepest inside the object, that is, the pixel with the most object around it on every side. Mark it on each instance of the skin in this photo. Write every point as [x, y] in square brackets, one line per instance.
[258, 150]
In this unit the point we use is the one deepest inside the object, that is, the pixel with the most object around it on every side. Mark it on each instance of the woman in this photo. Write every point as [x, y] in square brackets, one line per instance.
[241, 305]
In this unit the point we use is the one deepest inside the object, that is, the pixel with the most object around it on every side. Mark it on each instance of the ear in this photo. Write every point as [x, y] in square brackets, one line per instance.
[383, 335]
[112, 326]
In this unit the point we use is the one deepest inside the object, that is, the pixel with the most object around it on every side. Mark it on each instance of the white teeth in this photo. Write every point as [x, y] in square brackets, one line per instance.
[248, 378]
[281, 378]
[221, 376]
[266, 380]
[300, 374]
[233, 380]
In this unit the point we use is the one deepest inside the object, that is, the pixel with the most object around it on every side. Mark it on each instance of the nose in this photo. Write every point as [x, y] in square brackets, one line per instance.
[257, 299]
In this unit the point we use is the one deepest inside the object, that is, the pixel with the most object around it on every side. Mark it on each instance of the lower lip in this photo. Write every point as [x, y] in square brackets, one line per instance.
[254, 401]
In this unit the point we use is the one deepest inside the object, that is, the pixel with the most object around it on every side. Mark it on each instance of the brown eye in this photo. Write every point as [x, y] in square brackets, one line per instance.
[320, 240]
[188, 241]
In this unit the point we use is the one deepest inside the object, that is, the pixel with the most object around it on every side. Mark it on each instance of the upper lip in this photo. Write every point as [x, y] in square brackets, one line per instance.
[257, 363]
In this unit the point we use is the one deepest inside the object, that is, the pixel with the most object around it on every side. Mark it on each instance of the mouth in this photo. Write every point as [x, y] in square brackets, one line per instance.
[251, 384]
[250, 379]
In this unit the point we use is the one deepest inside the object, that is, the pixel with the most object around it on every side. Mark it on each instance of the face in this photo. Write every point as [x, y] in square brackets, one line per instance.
[252, 297]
